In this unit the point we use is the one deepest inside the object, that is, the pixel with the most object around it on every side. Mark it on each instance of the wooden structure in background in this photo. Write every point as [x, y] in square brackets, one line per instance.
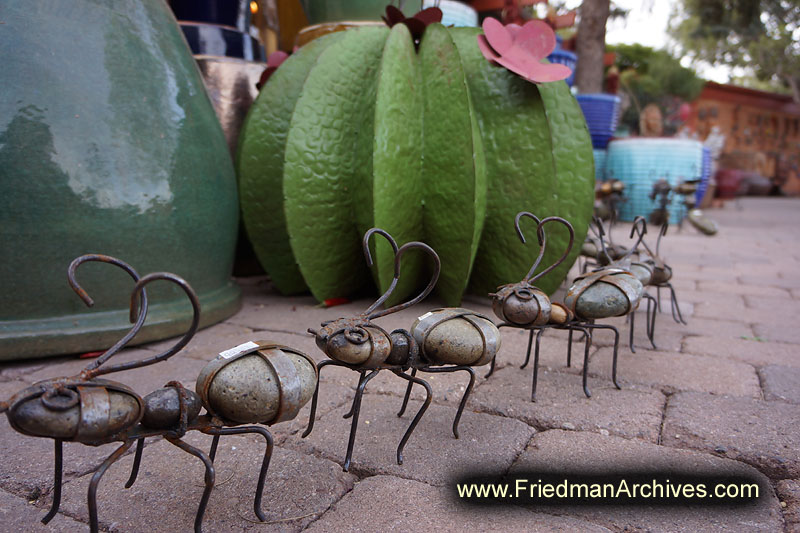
[762, 131]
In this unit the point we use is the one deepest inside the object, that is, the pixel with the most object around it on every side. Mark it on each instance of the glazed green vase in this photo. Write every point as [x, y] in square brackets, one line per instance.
[108, 144]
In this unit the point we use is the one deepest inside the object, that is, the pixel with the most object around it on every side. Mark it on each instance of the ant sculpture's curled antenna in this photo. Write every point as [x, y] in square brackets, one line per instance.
[361, 345]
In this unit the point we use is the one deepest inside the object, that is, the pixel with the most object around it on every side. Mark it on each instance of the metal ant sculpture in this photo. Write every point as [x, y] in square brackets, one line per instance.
[608, 195]
[662, 273]
[442, 340]
[609, 292]
[617, 256]
[95, 411]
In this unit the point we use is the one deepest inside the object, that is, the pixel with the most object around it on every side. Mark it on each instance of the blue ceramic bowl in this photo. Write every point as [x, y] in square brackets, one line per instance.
[565, 57]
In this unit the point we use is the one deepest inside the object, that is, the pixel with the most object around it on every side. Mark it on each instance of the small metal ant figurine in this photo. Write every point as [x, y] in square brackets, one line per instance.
[432, 346]
[611, 255]
[660, 194]
[662, 273]
[97, 411]
[608, 195]
[586, 300]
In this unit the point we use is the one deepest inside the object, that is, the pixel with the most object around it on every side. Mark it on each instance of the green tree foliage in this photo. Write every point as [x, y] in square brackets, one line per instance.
[760, 35]
[654, 76]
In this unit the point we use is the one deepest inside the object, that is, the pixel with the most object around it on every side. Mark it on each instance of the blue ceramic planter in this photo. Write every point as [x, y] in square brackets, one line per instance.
[640, 162]
[705, 176]
[599, 164]
[601, 112]
[565, 57]
[108, 144]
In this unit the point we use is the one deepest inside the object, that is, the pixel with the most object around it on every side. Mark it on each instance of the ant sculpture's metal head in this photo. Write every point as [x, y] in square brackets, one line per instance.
[522, 303]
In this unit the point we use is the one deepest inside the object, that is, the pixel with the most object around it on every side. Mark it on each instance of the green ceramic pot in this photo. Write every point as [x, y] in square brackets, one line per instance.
[335, 10]
[108, 144]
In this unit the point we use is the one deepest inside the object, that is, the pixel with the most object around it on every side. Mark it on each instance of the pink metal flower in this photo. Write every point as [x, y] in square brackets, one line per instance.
[521, 49]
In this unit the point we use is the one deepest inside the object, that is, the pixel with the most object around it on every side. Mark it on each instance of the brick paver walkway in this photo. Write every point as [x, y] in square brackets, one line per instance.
[719, 396]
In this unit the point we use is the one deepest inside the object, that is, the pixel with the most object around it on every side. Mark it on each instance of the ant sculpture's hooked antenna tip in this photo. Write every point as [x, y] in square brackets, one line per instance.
[83, 295]
[313, 331]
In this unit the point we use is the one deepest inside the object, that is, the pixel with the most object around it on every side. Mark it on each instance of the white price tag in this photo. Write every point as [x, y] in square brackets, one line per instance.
[236, 350]
[426, 315]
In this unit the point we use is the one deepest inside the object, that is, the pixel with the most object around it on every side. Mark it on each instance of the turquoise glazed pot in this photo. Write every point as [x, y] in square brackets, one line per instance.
[108, 144]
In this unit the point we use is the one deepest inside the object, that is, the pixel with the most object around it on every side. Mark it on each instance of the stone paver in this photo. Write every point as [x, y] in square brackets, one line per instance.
[778, 281]
[756, 290]
[775, 309]
[558, 453]
[671, 372]
[781, 383]
[712, 309]
[748, 350]
[633, 412]
[789, 494]
[408, 505]
[705, 327]
[432, 454]
[16, 514]
[166, 494]
[761, 433]
[777, 333]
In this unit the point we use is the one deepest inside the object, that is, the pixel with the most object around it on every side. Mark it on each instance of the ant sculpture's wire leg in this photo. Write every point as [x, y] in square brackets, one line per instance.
[569, 349]
[528, 353]
[313, 414]
[587, 344]
[349, 413]
[676, 310]
[407, 394]
[419, 414]
[466, 394]
[491, 367]
[632, 317]
[137, 461]
[209, 478]
[615, 353]
[651, 320]
[262, 475]
[356, 410]
[57, 473]
[101, 470]
[494, 359]
[658, 295]
[536, 360]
